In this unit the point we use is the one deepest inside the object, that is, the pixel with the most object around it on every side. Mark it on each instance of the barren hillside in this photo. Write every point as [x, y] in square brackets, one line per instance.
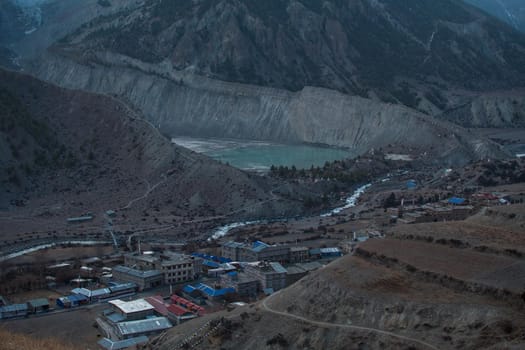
[67, 153]
[401, 292]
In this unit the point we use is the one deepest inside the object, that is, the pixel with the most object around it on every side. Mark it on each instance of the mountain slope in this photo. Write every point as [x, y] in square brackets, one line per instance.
[65, 153]
[410, 51]
[181, 103]
[510, 11]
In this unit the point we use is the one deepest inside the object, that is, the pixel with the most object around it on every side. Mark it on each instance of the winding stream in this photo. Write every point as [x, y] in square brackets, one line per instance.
[350, 203]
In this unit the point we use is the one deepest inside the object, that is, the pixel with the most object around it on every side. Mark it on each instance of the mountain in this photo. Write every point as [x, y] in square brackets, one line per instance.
[510, 11]
[292, 71]
[28, 27]
[410, 52]
[65, 153]
[181, 103]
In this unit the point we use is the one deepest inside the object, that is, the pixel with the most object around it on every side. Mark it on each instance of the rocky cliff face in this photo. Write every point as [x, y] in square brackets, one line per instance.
[409, 52]
[181, 103]
[499, 110]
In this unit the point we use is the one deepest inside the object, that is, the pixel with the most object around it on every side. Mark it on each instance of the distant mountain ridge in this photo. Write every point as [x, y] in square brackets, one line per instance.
[409, 52]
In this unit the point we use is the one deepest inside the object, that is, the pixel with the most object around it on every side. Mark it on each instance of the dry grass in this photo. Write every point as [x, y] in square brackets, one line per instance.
[17, 341]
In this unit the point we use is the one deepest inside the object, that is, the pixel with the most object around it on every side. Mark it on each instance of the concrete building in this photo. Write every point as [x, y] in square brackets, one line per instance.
[14, 310]
[144, 279]
[175, 267]
[294, 274]
[130, 343]
[326, 253]
[231, 250]
[257, 251]
[299, 254]
[146, 327]
[270, 275]
[132, 310]
[38, 305]
[243, 284]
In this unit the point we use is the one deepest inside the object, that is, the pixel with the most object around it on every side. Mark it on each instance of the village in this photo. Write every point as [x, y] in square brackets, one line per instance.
[180, 286]
[147, 287]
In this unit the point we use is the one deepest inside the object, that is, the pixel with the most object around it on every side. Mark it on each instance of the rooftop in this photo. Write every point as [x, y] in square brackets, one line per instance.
[122, 344]
[178, 310]
[137, 273]
[14, 308]
[144, 326]
[129, 307]
[117, 287]
[259, 246]
[208, 290]
[309, 266]
[39, 302]
[330, 250]
[277, 267]
[299, 249]
[158, 303]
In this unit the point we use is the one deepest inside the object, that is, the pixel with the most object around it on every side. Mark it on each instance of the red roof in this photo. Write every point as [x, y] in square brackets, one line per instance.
[178, 310]
[187, 304]
[158, 303]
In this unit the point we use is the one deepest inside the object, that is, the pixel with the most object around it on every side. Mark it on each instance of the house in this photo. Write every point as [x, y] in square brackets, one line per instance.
[93, 295]
[326, 253]
[199, 310]
[175, 267]
[257, 251]
[14, 310]
[243, 284]
[232, 250]
[299, 254]
[38, 305]
[207, 291]
[161, 308]
[109, 344]
[72, 300]
[144, 327]
[132, 310]
[145, 279]
[180, 314]
[268, 274]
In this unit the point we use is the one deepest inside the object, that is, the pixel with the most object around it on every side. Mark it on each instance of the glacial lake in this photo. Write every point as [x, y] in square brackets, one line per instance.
[260, 156]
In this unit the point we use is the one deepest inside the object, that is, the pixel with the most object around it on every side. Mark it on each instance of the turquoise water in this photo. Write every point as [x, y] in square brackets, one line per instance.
[260, 156]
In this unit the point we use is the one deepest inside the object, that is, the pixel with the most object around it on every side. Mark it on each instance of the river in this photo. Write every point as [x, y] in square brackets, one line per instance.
[350, 203]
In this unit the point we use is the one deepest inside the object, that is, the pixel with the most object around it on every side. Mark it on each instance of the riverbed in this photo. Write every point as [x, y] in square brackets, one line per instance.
[260, 156]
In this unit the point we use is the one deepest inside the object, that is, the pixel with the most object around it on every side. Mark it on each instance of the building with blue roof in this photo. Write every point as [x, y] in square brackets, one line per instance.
[72, 300]
[14, 310]
[207, 291]
[456, 201]
[257, 251]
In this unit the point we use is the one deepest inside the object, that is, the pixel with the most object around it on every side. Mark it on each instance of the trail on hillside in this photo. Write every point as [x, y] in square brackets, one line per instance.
[339, 325]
